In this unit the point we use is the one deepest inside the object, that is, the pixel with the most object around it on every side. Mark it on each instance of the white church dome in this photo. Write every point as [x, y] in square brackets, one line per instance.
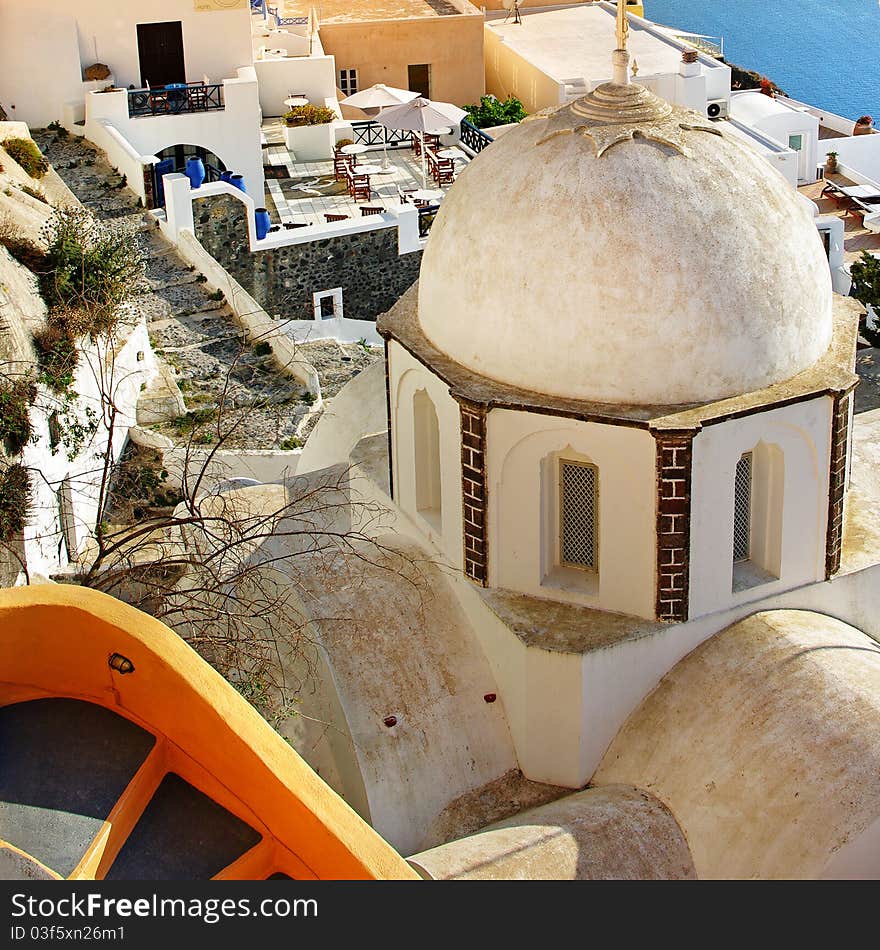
[674, 266]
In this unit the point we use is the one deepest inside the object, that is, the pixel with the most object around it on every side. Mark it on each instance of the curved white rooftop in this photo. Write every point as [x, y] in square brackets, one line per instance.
[752, 106]
[765, 745]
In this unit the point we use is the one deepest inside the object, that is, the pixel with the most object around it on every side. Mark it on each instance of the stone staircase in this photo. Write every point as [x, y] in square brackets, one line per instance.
[191, 330]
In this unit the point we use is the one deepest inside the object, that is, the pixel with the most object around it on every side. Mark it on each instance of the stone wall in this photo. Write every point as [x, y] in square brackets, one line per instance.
[367, 266]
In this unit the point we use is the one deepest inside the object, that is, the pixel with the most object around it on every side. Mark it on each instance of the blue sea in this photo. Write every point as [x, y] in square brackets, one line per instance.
[825, 52]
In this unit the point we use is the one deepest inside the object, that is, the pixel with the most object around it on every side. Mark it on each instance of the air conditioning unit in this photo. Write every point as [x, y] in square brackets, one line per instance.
[718, 108]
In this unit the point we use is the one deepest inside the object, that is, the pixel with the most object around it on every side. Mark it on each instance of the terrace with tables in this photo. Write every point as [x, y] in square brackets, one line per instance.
[357, 184]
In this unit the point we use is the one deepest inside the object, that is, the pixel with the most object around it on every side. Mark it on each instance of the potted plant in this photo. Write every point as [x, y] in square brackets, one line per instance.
[865, 273]
[308, 132]
[831, 163]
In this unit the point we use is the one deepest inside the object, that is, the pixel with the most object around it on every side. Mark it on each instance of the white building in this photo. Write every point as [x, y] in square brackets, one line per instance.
[229, 66]
[620, 423]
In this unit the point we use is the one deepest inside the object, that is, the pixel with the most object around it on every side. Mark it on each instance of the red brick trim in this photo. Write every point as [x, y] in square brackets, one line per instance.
[674, 462]
[473, 491]
[836, 483]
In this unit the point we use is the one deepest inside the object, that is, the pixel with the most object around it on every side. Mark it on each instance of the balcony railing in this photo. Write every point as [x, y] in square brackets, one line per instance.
[426, 219]
[370, 132]
[176, 99]
[473, 138]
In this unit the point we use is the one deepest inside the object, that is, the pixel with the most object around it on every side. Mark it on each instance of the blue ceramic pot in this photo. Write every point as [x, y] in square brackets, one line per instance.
[263, 222]
[237, 181]
[226, 175]
[195, 171]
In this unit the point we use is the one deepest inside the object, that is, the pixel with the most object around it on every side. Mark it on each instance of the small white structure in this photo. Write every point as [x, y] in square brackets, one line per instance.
[793, 127]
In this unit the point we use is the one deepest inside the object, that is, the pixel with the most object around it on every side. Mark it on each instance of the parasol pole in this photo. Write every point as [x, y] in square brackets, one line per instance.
[424, 168]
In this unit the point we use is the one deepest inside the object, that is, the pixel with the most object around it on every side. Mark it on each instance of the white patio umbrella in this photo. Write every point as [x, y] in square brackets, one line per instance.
[422, 115]
[376, 98]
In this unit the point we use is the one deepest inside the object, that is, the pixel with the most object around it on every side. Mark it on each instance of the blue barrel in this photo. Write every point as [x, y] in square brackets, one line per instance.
[262, 222]
[195, 171]
[237, 181]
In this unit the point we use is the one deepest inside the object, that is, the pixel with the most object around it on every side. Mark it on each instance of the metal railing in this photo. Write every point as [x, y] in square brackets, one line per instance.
[473, 138]
[711, 45]
[286, 21]
[370, 132]
[426, 219]
[175, 100]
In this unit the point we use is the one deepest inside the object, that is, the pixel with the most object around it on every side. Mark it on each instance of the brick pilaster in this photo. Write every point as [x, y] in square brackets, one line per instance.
[674, 455]
[473, 491]
[836, 483]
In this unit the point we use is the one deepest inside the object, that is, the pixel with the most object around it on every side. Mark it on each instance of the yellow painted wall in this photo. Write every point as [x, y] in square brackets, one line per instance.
[55, 640]
[509, 74]
[381, 50]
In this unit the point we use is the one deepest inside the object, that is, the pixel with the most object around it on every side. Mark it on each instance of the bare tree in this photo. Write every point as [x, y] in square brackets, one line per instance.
[222, 568]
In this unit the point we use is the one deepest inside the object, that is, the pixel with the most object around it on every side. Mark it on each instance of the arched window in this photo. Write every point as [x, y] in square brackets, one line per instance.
[759, 483]
[426, 440]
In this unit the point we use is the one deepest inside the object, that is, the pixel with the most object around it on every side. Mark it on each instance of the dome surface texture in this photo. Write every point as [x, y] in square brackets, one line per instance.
[621, 250]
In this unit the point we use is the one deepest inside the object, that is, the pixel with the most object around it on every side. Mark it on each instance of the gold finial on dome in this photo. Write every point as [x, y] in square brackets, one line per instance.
[621, 111]
[622, 25]
[620, 57]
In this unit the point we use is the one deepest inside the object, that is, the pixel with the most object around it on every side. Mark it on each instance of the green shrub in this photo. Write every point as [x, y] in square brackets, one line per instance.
[865, 274]
[192, 420]
[291, 442]
[93, 266]
[309, 115]
[262, 348]
[343, 142]
[35, 193]
[308, 398]
[26, 153]
[57, 355]
[491, 112]
[21, 248]
[16, 501]
[16, 399]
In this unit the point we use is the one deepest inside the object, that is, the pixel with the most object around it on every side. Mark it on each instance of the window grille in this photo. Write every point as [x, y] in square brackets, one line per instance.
[742, 509]
[578, 510]
[348, 81]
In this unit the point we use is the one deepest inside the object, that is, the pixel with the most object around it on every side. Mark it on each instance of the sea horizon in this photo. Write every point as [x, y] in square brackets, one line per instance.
[819, 52]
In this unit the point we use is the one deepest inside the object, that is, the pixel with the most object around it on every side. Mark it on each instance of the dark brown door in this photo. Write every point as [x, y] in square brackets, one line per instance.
[160, 48]
[420, 79]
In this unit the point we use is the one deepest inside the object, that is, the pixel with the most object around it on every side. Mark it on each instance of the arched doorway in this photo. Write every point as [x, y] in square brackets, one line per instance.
[173, 159]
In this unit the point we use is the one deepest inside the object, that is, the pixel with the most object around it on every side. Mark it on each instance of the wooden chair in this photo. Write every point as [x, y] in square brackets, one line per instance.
[404, 195]
[341, 164]
[335, 217]
[158, 98]
[359, 186]
[366, 211]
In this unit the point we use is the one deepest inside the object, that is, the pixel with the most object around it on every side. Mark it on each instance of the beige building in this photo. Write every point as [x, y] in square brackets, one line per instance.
[432, 46]
[559, 53]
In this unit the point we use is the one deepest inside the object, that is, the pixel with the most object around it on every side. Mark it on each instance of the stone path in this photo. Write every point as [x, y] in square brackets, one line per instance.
[190, 328]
